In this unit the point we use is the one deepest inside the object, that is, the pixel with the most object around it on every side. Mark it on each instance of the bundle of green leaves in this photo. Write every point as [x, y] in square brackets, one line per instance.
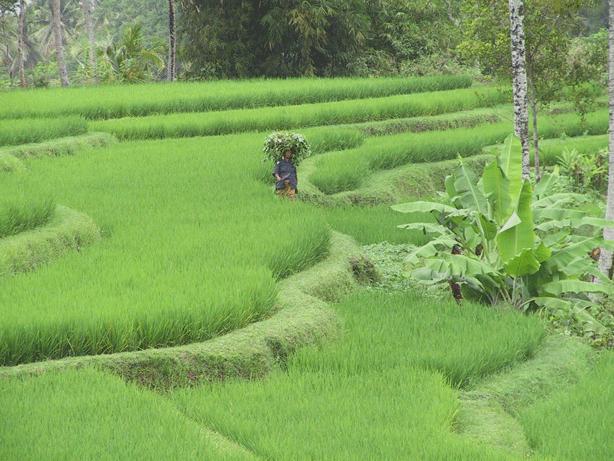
[499, 239]
[279, 142]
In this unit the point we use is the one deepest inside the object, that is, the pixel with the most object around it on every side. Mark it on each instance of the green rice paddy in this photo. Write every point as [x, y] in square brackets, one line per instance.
[191, 244]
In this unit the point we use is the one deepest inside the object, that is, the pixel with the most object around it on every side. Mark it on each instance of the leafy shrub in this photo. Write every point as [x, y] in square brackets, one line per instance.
[497, 239]
[588, 172]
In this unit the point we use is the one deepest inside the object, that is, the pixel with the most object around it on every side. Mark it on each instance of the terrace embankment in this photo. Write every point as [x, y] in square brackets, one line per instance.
[302, 318]
[489, 410]
[66, 230]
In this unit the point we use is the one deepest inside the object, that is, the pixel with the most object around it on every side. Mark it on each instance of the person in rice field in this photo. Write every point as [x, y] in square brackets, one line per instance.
[285, 176]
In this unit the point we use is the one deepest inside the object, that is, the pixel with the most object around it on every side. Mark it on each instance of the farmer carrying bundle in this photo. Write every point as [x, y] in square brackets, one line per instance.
[286, 150]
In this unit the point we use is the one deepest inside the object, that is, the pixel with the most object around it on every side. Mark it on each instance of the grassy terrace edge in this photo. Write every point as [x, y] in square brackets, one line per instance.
[66, 230]
[303, 318]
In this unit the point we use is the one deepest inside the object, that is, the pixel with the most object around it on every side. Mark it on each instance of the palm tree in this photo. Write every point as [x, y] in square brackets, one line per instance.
[171, 67]
[21, 44]
[87, 6]
[605, 259]
[56, 21]
[519, 77]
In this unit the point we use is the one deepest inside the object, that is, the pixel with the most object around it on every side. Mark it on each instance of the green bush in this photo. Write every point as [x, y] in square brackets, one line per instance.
[498, 240]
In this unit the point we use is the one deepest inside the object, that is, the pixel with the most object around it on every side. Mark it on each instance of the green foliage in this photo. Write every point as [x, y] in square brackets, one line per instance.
[575, 423]
[502, 241]
[588, 172]
[129, 60]
[549, 27]
[324, 38]
[279, 142]
[586, 73]
[98, 416]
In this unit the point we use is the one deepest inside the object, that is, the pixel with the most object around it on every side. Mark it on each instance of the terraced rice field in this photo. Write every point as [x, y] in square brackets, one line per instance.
[139, 234]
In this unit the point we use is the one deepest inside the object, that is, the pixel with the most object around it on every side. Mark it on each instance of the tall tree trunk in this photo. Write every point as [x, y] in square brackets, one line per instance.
[519, 77]
[605, 258]
[56, 23]
[171, 68]
[21, 44]
[533, 100]
[88, 11]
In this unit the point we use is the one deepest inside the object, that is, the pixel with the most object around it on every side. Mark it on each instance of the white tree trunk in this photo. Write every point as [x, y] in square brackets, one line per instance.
[88, 12]
[605, 259]
[171, 67]
[519, 78]
[21, 44]
[56, 23]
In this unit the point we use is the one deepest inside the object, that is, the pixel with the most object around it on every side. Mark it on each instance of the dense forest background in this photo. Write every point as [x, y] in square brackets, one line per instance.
[271, 38]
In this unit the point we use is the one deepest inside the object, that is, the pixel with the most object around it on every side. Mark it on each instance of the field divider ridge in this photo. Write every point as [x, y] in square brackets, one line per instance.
[68, 145]
[303, 317]
[67, 230]
[489, 410]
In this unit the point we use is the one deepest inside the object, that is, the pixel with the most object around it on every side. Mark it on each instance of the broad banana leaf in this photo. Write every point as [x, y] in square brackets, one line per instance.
[469, 194]
[496, 187]
[427, 228]
[517, 234]
[457, 266]
[557, 214]
[510, 161]
[571, 251]
[528, 261]
[557, 200]
[560, 287]
[423, 207]
[433, 248]
[548, 183]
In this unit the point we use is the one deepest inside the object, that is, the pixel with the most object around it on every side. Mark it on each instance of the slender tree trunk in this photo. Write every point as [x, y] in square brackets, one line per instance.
[535, 137]
[605, 258]
[21, 44]
[519, 77]
[171, 68]
[88, 11]
[56, 23]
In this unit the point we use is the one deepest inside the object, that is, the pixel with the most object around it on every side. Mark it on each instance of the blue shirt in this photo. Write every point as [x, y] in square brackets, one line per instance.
[286, 171]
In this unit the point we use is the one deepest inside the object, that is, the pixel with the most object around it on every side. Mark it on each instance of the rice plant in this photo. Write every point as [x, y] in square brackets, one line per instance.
[192, 247]
[86, 414]
[21, 131]
[160, 98]
[385, 331]
[576, 423]
[18, 214]
[381, 392]
[339, 171]
[293, 116]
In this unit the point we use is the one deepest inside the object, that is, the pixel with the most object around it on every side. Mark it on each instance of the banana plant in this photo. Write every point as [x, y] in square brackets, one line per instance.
[498, 238]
